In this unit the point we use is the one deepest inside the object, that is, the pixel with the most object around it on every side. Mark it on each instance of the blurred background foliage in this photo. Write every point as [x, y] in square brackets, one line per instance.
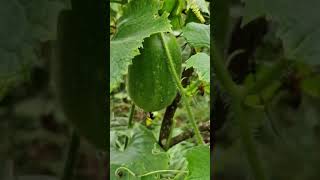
[34, 134]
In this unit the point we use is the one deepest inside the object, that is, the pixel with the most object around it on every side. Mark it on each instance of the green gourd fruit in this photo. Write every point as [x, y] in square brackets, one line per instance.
[150, 84]
[79, 77]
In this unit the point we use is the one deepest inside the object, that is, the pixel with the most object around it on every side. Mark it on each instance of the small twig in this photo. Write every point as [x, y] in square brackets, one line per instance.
[204, 127]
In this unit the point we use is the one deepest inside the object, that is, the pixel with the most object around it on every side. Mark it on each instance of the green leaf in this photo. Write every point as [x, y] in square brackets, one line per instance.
[201, 63]
[140, 20]
[140, 156]
[197, 35]
[199, 163]
[203, 6]
[298, 25]
[178, 160]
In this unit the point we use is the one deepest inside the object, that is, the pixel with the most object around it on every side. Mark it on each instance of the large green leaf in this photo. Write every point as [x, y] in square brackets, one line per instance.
[140, 20]
[298, 25]
[178, 160]
[201, 63]
[197, 35]
[199, 163]
[142, 154]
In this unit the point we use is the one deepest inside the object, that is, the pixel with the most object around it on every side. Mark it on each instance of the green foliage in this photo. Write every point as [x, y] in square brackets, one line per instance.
[139, 20]
[178, 159]
[197, 35]
[152, 85]
[168, 6]
[199, 163]
[141, 155]
[201, 63]
[202, 4]
[272, 125]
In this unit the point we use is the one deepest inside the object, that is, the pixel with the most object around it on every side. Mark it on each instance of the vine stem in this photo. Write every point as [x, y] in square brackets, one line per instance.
[71, 157]
[237, 95]
[162, 171]
[181, 90]
[148, 173]
[130, 122]
[131, 115]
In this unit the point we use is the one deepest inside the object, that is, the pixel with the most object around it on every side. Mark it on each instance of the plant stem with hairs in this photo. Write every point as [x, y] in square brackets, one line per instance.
[182, 91]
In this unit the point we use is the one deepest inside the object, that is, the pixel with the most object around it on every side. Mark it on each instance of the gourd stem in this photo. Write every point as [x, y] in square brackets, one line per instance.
[237, 97]
[181, 90]
[71, 157]
[131, 115]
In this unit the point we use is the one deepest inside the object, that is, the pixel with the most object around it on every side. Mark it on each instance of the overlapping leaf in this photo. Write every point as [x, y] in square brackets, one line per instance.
[199, 163]
[298, 25]
[201, 63]
[140, 20]
[197, 35]
[178, 160]
[139, 156]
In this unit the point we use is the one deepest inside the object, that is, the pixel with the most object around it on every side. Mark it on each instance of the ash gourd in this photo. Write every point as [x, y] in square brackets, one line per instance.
[150, 83]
